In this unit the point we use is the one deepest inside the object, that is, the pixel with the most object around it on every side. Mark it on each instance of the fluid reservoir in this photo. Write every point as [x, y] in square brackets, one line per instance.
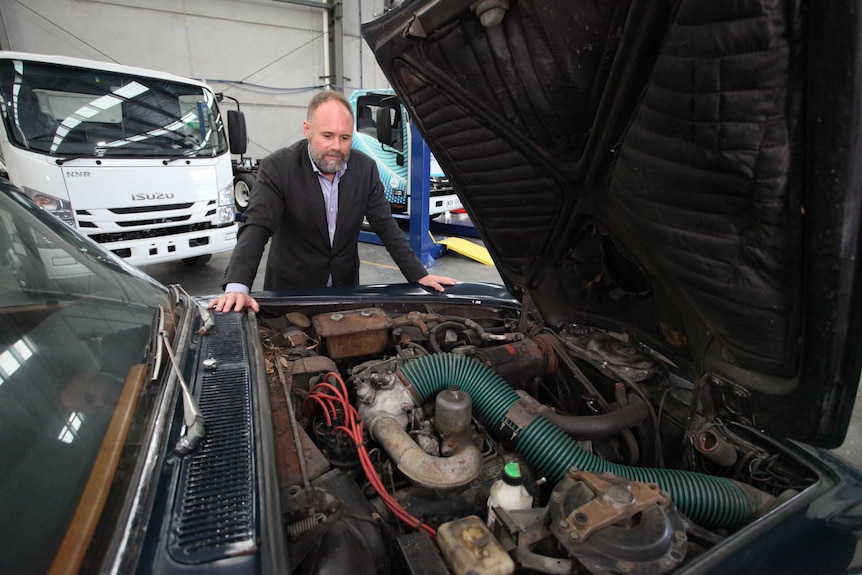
[470, 549]
[508, 492]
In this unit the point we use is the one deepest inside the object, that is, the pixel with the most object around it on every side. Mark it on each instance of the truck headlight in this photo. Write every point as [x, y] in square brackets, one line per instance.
[226, 213]
[225, 195]
[56, 206]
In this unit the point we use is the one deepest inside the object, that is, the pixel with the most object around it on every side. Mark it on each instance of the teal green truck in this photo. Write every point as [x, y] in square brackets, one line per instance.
[392, 152]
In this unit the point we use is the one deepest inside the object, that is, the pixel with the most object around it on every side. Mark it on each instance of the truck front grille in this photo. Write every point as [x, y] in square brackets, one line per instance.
[110, 225]
[441, 187]
[150, 233]
[147, 209]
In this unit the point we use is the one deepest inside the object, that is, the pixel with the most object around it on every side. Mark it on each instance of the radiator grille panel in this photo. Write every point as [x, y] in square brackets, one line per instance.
[150, 232]
[214, 515]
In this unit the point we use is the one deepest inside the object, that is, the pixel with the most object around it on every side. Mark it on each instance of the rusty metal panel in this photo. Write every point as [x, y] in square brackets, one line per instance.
[353, 333]
[287, 457]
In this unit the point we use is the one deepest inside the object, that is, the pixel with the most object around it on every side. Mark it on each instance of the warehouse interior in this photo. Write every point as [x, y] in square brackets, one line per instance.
[266, 57]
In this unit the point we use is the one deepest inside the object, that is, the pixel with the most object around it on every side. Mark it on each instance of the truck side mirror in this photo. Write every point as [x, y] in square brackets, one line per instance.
[236, 132]
[384, 125]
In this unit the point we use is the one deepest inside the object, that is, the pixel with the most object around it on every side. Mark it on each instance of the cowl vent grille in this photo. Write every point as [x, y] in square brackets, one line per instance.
[214, 515]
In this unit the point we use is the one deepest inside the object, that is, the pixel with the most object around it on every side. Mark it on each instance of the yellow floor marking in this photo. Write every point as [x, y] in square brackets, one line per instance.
[379, 265]
[469, 249]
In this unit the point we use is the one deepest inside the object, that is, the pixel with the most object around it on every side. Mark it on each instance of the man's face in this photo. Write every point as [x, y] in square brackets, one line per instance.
[329, 134]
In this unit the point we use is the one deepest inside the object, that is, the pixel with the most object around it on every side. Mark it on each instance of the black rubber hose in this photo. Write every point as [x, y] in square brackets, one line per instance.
[602, 425]
[432, 334]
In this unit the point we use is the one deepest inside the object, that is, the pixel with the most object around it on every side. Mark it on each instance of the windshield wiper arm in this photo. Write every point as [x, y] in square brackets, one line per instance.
[175, 158]
[61, 161]
[206, 315]
[192, 417]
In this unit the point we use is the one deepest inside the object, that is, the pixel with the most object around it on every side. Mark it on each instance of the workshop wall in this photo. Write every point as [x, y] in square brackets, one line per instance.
[270, 55]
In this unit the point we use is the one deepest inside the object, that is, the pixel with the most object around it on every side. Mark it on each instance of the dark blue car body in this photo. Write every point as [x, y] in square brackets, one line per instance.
[671, 193]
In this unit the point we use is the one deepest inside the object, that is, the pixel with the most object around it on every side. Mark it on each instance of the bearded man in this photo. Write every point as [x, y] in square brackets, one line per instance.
[311, 198]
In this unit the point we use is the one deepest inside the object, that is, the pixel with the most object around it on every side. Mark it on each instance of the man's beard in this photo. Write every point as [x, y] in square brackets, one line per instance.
[328, 164]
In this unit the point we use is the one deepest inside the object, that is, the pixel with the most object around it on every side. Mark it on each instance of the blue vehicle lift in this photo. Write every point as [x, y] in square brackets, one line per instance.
[420, 197]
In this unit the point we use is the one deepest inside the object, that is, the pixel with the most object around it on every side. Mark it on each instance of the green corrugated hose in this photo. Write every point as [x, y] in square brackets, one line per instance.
[713, 502]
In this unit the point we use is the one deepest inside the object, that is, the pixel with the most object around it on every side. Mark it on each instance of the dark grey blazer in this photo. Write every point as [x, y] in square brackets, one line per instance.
[287, 205]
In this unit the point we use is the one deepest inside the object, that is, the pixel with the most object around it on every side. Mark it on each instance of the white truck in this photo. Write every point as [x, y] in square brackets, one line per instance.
[138, 160]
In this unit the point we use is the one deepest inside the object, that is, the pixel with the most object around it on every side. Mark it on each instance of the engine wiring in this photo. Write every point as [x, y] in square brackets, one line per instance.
[331, 396]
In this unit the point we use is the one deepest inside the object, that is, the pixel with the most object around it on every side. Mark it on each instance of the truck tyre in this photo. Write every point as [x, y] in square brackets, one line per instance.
[197, 260]
[242, 184]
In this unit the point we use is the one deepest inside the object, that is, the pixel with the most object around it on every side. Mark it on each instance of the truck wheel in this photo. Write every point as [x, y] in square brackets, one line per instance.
[242, 184]
[197, 260]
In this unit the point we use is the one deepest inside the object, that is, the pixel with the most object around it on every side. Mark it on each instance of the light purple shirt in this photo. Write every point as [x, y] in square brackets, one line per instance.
[330, 199]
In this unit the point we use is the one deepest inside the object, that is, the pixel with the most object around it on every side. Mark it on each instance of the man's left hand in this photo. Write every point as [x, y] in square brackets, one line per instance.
[436, 282]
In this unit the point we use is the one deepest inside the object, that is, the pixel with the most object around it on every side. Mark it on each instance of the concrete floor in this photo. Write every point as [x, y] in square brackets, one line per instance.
[378, 268]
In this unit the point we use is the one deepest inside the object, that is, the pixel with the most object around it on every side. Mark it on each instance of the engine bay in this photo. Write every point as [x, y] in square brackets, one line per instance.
[473, 439]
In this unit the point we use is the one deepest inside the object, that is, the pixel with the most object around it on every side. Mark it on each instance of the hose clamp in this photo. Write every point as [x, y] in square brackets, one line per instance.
[519, 415]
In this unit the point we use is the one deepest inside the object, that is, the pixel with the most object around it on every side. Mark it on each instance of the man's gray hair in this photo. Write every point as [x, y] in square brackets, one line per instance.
[325, 96]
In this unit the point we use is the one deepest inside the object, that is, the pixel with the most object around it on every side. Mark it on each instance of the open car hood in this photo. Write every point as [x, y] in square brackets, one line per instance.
[683, 174]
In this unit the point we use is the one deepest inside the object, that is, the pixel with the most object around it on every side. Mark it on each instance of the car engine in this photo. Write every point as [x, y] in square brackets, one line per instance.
[472, 439]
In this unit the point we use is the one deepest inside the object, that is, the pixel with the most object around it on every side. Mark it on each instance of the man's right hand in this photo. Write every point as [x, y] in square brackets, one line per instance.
[233, 301]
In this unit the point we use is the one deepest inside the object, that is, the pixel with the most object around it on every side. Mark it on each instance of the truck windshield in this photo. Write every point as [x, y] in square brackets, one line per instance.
[67, 111]
[75, 327]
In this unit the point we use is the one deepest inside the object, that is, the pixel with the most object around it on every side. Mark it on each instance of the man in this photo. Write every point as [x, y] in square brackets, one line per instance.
[311, 201]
